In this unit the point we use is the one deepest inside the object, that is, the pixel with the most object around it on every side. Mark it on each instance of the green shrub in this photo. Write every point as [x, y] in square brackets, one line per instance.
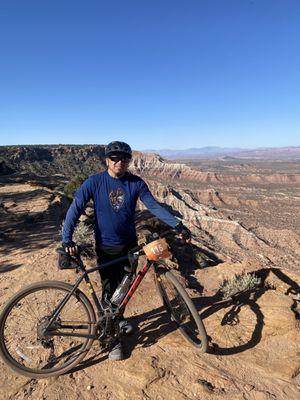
[71, 187]
[239, 283]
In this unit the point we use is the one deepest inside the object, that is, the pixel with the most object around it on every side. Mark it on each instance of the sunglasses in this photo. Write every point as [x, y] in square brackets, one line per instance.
[120, 158]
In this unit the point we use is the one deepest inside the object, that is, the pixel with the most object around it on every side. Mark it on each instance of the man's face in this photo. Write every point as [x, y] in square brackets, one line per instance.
[117, 164]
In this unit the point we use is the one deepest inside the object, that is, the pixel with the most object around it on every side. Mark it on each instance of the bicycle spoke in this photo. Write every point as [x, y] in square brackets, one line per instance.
[34, 317]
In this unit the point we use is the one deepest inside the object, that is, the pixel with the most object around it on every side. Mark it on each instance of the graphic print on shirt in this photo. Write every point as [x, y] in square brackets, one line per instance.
[117, 197]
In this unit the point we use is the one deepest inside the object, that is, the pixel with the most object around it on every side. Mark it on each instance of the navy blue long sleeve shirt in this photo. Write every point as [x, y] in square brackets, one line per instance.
[114, 208]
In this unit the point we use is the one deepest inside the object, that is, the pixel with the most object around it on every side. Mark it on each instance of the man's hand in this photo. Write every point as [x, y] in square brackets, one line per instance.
[184, 232]
[70, 247]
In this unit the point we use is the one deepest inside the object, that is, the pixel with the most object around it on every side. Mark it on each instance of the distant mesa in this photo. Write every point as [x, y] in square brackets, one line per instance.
[265, 153]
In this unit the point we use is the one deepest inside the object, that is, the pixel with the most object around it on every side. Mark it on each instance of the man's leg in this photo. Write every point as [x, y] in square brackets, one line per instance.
[111, 277]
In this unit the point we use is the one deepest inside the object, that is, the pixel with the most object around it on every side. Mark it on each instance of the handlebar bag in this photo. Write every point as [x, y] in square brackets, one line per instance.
[65, 261]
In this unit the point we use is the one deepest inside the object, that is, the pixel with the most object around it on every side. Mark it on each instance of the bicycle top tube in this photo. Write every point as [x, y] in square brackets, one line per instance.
[107, 264]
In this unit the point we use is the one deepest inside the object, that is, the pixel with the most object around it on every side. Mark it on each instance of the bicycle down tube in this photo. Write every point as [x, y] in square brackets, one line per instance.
[135, 284]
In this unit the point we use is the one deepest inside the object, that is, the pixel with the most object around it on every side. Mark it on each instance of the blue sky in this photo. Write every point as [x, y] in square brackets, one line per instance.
[157, 74]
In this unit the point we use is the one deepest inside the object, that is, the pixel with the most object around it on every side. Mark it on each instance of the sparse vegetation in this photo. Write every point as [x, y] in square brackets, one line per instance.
[47, 160]
[199, 260]
[83, 235]
[240, 283]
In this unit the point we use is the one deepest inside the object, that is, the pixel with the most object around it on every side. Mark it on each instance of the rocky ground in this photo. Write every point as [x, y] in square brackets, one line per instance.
[254, 338]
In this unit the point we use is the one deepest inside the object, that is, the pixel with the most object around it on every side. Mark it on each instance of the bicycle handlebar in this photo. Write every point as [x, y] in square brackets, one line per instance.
[138, 249]
[133, 254]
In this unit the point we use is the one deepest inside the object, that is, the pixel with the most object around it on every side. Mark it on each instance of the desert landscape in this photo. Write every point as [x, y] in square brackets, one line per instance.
[244, 217]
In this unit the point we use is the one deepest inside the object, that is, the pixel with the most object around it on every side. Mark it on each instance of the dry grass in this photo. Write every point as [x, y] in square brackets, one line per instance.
[83, 235]
[238, 284]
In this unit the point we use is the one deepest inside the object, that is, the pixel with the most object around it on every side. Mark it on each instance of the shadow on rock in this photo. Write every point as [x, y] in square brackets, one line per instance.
[29, 229]
[237, 323]
[89, 362]
[154, 325]
[9, 267]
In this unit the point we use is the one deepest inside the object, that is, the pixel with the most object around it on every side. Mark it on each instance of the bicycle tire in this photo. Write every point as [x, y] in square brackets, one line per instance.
[18, 360]
[194, 331]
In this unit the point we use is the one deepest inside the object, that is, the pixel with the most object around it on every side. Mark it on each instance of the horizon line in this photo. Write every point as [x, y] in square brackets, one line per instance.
[161, 149]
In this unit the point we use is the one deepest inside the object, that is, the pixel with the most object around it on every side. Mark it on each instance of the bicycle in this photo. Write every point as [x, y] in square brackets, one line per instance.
[48, 327]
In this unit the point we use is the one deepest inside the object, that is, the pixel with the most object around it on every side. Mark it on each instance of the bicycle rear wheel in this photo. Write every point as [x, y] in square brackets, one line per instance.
[181, 309]
[26, 348]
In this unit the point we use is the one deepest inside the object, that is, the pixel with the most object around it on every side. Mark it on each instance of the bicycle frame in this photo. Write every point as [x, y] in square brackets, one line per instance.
[135, 284]
[98, 303]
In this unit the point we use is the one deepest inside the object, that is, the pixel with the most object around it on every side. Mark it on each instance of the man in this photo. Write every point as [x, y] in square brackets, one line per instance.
[115, 193]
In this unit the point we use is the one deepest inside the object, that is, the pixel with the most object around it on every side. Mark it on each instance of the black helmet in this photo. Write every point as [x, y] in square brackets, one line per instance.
[118, 147]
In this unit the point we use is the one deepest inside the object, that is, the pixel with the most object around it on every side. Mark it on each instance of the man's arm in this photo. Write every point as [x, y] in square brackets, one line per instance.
[81, 198]
[160, 212]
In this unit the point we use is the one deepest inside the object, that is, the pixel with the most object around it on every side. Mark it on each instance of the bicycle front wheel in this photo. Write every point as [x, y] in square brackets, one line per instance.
[29, 348]
[181, 309]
